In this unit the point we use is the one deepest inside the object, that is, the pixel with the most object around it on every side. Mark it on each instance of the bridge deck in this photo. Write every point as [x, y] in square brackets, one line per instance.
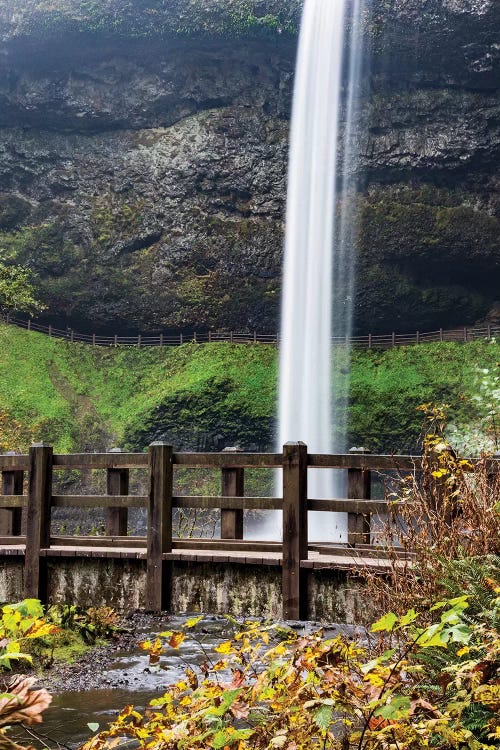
[343, 559]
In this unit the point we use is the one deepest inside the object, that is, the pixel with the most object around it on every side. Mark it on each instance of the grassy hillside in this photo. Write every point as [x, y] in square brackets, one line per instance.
[210, 396]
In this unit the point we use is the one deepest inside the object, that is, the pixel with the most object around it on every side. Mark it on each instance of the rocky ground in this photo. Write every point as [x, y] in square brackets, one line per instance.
[121, 665]
[91, 671]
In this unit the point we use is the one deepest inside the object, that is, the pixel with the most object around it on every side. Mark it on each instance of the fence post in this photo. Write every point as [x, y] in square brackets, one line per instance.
[29, 325]
[465, 335]
[358, 488]
[38, 521]
[233, 485]
[93, 339]
[295, 536]
[441, 335]
[117, 484]
[139, 341]
[12, 484]
[159, 542]
[418, 337]
[161, 339]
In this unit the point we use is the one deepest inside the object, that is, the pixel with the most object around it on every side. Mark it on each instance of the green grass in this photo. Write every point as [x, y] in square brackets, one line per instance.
[81, 398]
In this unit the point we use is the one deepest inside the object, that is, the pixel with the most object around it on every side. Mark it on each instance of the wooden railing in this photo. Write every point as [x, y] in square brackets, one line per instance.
[157, 547]
[371, 341]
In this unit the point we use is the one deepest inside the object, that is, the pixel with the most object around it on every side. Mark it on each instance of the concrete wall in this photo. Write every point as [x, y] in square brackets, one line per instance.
[240, 590]
[97, 582]
[11, 578]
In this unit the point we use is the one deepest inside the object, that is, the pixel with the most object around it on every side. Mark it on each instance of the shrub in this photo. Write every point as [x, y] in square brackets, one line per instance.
[270, 687]
[446, 514]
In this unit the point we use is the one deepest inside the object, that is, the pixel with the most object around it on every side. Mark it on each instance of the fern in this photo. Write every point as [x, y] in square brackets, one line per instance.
[476, 719]
[474, 577]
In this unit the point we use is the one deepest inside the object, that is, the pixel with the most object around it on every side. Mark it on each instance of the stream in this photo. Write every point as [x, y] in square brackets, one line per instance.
[126, 678]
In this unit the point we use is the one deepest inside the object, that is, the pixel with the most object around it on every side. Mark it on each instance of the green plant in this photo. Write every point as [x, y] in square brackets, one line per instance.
[443, 514]
[20, 623]
[17, 293]
[269, 687]
[90, 624]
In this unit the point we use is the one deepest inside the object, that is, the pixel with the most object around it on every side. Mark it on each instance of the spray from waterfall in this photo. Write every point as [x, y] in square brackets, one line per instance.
[319, 255]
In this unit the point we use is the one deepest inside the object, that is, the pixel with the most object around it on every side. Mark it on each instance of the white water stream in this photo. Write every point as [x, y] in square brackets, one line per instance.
[319, 258]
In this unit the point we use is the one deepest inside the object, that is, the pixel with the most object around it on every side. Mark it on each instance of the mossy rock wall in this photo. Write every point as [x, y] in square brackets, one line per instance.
[144, 147]
[209, 397]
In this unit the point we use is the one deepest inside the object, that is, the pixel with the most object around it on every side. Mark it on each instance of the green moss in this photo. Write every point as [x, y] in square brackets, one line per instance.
[187, 18]
[427, 225]
[78, 397]
[57, 264]
[426, 260]
[65, 647]
[13, 211]
[111, 219]
[387, 387]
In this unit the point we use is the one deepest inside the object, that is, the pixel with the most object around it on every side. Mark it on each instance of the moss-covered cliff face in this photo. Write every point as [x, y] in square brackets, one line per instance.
[209, 397]
[143, 150]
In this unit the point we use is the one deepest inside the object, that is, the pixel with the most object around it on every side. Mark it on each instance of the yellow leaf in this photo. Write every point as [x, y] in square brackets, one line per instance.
[225, 648]
[193, 621]
[176, 639]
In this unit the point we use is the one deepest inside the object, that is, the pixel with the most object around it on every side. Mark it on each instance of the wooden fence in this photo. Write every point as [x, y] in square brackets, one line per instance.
[159, 548]
[371, 341]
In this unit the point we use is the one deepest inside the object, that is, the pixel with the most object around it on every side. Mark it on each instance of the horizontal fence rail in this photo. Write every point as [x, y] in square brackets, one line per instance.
[371, 341]
[27, 488]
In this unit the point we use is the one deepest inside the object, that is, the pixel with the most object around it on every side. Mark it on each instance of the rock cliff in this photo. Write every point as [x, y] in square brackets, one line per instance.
[143, 151]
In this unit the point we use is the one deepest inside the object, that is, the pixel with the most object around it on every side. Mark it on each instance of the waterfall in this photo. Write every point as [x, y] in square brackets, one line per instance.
[319, 259]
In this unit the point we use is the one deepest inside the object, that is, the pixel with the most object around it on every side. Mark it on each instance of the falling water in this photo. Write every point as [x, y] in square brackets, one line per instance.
[319, 262]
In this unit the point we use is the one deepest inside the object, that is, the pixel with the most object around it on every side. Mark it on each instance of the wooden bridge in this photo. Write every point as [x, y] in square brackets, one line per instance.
[371, 341]
[27, 501]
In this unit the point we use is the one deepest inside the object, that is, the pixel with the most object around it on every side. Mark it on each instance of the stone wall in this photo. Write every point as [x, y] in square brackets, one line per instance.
[239, 590]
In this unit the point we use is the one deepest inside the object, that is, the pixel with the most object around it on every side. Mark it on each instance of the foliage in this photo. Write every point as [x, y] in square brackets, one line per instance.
[40, 636]
[90, 624]
[20, 705]
[19, 624]
[52, 264]
[273, 688]
[219, 18]
[442, 516]
[217, 395]
[17, 293]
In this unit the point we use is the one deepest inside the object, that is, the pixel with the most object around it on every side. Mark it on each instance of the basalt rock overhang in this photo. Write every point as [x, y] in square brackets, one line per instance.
[455, 35]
